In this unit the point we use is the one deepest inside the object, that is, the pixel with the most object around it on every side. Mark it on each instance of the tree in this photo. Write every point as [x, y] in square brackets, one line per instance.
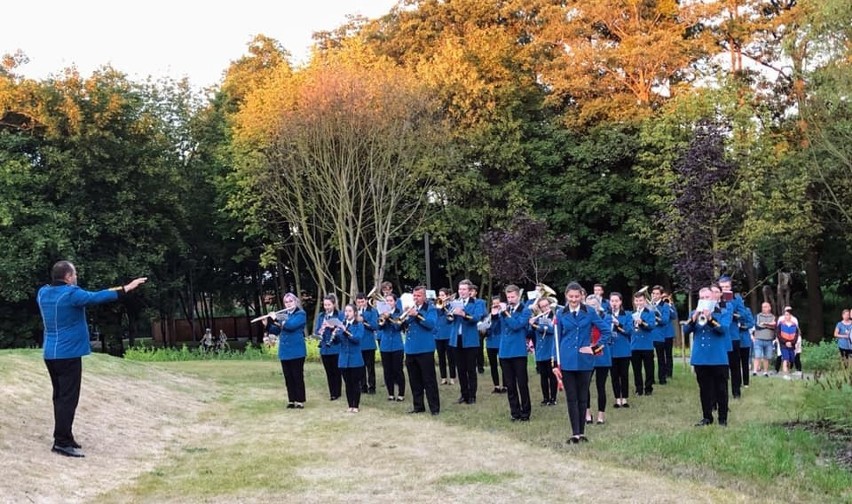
[343, 155]
[525, 251]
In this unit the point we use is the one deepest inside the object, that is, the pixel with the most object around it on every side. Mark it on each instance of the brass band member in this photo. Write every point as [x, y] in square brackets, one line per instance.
[466, 341]
[445, 323]
[391, 350]
[492, 344]
[420, 353]
[291, 348]
[622, 330]
[576, 357]
[542, 326]
[329, 352]
[513, 354]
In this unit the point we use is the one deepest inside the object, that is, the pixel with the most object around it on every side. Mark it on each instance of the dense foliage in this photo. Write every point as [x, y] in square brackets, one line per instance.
[659, 142]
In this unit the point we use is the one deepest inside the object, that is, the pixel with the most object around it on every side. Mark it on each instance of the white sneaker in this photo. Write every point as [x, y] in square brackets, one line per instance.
[786, 377]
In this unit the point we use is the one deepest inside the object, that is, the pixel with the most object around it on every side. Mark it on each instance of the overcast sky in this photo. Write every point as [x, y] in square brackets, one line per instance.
[173, 38]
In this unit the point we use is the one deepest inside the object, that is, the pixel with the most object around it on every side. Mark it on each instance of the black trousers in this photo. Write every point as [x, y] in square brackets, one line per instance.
[713, 389]
[662, 365]
[65, 375]
[640, 359]
[516, 379]
[446, 355]
[494, 363]
[352, 379]
[736, 371]
[549, 386]
[745, 354]
[620, 377]
[368, 381]
[421, 375]
[601, 373]
[332, 375]
[392, 370]
[577, 395]
[294, 379]
[480, 359]
[466, 362]
[670, 357]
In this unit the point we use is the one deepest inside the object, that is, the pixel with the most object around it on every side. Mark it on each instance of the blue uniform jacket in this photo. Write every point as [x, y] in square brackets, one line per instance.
[622, 334]
[420, 335]
[745, 323]
[63, 312]
[576, 333]
[371, 325]
[544, 346]
[492, 337]
[391, 334]
[641, 337]
[673, 321]
[443, 326]
[474, 312]
[733, 333]
[291, 336]
[660, 329]
[350, 345]
[513, 337]
[326, 346]
[709, 342]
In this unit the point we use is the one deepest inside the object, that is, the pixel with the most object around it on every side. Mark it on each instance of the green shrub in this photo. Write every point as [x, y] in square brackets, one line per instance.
[184, 353]
[829, 396]
[820, 357]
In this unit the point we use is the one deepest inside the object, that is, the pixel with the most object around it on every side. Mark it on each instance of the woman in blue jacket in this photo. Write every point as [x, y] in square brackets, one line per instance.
[622, 330]
[350, 360]
[603, 362]
[290, 328]
[323, 330]
[576, 357]
[391, 350]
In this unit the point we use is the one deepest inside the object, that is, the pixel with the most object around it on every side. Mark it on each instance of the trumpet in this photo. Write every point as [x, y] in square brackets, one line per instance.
[702, 320]
[373, 297]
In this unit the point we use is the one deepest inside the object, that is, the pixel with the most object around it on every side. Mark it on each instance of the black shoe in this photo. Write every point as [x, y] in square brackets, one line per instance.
[723, 423]
[461, 400]
[589, 421]
[616, 405]
[67, 451]
[573, 440]
[649, 392]
[515, 419]
[639, 392]
[472, 400]
[481, 370]
[435, 413]
[663, 382]
[737, 396]
[496, 390]
[415, 411]
[583, 438]
[552, 403]
[525, 419]
[333, 398]
[371, 391]
[291, 406]
[77, 445]
[703, 422]
[625, 405]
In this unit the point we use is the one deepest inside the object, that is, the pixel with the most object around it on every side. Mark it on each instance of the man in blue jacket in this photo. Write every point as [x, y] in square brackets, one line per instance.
[709, 357]
[466, 340]
[66, 341]
[420, 353]
[514, 321]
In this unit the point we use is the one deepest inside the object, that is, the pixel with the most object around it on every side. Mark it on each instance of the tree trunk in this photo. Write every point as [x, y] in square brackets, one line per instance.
[815, 319]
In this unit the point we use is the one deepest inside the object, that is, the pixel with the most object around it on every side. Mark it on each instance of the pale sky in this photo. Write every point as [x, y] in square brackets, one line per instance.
[173, 38]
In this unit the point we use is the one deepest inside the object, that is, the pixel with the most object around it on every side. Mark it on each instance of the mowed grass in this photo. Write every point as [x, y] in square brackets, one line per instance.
[243, 446]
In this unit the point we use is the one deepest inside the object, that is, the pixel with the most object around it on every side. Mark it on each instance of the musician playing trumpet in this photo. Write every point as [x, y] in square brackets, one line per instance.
[445, 323]
[622, 330]
[709, 356]
[292, 351]
[642, 345]
[391, 349]
[419, 325]
[513, 354]
[542, 328]
[492, 343]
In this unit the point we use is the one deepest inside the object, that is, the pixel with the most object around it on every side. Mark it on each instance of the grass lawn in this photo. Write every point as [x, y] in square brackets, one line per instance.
[224, 436]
